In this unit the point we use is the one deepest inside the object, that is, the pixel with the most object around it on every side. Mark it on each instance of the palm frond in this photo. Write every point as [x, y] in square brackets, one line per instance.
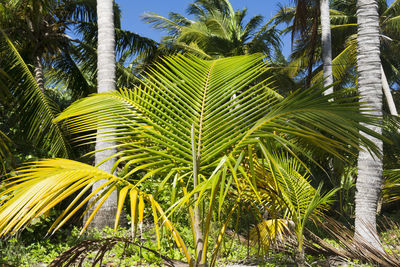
[183, 91]
[40, 186]
[227, 108]
[5, 153]
[160, 22]
[37, 110]
[391, 185]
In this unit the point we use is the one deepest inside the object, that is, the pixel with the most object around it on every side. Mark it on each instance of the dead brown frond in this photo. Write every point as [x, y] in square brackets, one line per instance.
[356, 247]
[79, 254]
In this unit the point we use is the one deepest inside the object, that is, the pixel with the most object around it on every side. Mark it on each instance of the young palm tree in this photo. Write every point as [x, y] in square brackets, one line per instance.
[369, 176]
[179, 124]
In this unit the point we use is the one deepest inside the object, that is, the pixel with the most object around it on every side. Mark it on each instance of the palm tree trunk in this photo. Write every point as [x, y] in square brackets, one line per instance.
[388, 94]
[369, 176]
[300, 258]
[326, 45]
[39, 76]
[106, 83]
[196, 213]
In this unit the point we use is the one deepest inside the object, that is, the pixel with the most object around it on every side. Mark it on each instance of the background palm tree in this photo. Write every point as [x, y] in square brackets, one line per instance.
[39, 30]
[326, 43]
[369, 175]
[36, 110]
[217, 31]
[306, 20]
[344, 29]
[65, 69]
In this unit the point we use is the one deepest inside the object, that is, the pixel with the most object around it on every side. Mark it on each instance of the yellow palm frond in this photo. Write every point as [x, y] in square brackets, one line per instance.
[40, 186]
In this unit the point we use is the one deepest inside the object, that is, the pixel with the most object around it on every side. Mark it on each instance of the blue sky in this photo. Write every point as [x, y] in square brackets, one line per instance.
[133, 9]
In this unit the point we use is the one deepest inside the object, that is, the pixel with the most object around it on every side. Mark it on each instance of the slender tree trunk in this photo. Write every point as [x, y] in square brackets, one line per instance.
[39, 76]
[369, 178]
[106, 83]
[196, 213]
[326, 45]
[388, 94]
[299, 256]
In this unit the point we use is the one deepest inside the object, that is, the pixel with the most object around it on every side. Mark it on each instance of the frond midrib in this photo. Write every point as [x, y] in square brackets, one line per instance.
[202, 116]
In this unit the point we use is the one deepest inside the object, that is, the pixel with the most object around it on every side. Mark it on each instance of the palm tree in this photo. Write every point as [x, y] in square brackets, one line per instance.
[344, 27]
[306, 10]
[58, 60]
[36, 110]
[326, 43]
[105, 83]
[369, 176]
[298, 202]
[39, 28]
[179, 124]
[217, 31]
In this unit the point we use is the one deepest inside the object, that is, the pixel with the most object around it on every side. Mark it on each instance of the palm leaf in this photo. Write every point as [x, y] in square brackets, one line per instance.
[5, 153]
[156, 118]
[40, 186]
[391, 186]
[36, 109]
[228, 109]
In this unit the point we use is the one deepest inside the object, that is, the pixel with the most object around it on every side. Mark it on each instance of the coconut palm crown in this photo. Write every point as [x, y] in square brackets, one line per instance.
[217, 30]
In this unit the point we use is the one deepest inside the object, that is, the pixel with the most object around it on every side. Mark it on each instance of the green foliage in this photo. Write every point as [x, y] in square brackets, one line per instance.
[5, 153]
[344, 40]
[35, 108]
[216, 31]
[188, 120]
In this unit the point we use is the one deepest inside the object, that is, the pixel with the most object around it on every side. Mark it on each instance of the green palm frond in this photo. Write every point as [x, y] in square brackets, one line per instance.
[160, 22]
[393, 9]
[303, 202]
[343, 62]
[182, 92]
[229, 111]
[5, 153]
[391, 185]
[36, 109]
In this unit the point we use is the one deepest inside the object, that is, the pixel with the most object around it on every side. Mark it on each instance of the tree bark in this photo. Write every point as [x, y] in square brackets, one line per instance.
[388, 94]
[39, 76]
[300, 258]
[369, 176]
[106, 83]
[196, 213]
[326, 45]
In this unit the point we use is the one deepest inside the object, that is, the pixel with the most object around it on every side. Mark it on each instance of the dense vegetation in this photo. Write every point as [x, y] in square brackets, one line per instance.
[213, 148]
